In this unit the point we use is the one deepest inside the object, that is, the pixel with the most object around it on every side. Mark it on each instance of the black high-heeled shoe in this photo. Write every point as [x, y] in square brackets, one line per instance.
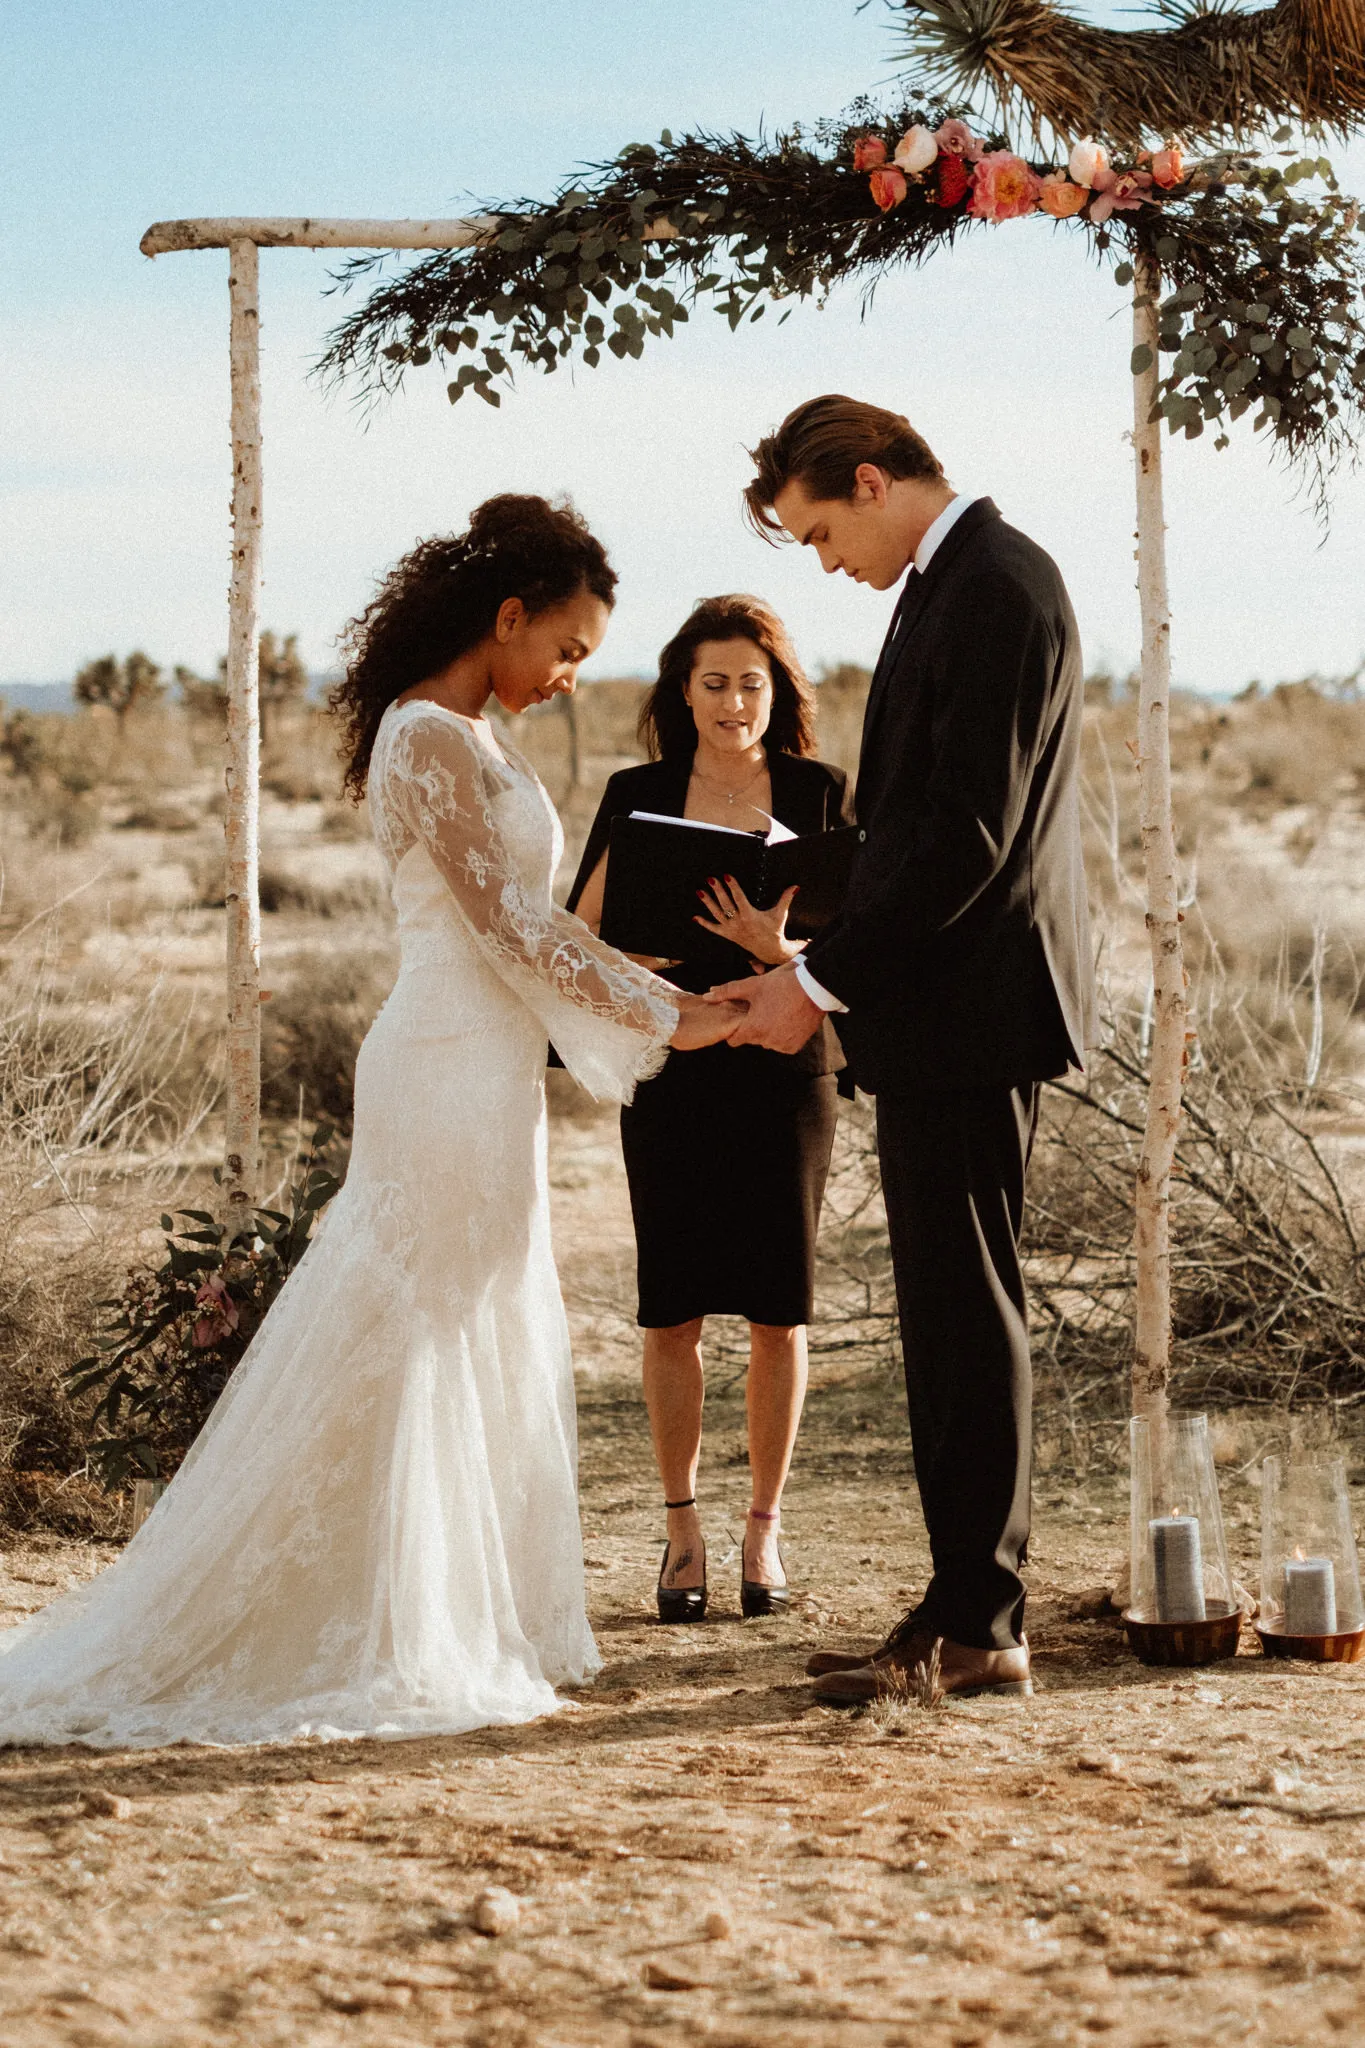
[681, 1603]
[755, 1600]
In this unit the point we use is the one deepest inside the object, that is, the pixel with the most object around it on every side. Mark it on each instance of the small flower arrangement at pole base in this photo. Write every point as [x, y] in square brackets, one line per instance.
[1183, 1610]
[1311, 1604]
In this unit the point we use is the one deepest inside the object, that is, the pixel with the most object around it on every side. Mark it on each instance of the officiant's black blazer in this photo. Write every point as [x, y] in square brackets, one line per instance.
[963, 951]
[807, 795]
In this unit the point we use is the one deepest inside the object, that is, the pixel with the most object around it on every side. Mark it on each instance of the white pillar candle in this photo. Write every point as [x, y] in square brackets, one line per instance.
[1179, 1568]
[1310, 1597]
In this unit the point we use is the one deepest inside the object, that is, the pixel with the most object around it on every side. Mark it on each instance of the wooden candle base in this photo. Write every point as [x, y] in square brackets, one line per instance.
[1185, 1642]
[1345, 1648]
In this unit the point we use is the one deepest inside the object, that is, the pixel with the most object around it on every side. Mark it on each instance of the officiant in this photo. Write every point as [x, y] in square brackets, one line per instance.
[727, 1151]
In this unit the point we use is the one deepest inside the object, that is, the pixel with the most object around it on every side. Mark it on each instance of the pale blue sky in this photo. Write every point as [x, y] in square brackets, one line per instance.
[1010, 353]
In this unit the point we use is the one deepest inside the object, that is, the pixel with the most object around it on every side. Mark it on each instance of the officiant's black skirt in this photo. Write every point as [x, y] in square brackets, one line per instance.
[726, 1154]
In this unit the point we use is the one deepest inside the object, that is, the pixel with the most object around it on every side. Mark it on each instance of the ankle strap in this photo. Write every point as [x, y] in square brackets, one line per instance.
[757, 1515]
[690, 1502]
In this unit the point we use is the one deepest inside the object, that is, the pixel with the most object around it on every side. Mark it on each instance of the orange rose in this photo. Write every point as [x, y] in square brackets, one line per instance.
[1168, 166]
[888, 188]
[1059, 197]
[868, 152]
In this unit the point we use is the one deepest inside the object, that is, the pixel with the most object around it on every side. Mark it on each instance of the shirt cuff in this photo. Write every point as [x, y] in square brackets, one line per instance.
[821, 997]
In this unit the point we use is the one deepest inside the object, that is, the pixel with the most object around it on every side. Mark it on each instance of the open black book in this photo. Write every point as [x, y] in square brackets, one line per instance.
[657, 865]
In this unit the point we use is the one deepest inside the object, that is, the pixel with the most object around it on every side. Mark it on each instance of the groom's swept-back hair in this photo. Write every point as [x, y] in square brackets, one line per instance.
[820, 446]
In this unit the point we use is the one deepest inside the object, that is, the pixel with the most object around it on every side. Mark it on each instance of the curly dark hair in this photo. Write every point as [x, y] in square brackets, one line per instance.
[443, 598]
[667, 726]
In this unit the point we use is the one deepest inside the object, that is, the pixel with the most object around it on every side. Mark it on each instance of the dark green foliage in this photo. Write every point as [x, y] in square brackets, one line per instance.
[168, 1344]
[1264, 316]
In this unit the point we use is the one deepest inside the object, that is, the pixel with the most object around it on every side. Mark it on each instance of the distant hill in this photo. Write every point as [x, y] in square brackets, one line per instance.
[36, 696]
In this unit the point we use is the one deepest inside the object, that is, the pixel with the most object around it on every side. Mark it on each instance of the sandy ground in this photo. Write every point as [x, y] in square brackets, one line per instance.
[696, 1851]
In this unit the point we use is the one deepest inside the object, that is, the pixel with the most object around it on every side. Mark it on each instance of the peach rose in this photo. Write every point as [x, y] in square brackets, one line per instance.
[955, 138]
[1119, 192]
[888, 188]
[916, 149]
[868, 152]
[1168, 166]
[221, 1317]
[1059, 197]
[1087, 160]
[1003, 187]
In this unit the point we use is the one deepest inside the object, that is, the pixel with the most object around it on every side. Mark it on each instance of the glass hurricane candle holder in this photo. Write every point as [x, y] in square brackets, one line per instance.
[1182, 1608]
[1310, 1575]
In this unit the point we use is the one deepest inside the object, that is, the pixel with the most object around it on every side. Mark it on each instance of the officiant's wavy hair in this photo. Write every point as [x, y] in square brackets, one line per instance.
[667, 726]
[443, 598]
[820, 446]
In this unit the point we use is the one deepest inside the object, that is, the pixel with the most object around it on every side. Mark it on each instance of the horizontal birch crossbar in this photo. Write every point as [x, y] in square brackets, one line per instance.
[310, 232]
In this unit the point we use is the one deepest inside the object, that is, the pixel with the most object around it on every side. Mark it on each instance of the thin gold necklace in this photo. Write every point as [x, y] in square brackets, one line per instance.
[731, 795]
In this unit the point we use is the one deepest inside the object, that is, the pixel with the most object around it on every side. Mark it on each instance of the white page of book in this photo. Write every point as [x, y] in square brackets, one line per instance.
[778, 832]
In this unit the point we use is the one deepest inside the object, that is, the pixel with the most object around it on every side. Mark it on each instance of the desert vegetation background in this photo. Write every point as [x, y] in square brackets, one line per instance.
[111, 1062]
[695, 1851]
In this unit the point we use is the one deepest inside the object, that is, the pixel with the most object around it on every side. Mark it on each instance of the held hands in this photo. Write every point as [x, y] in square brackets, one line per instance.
[779, 1015]
[762, 933]
[702, 1021]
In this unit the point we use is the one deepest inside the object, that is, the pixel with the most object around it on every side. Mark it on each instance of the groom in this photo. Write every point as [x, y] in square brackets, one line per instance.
[960, 975]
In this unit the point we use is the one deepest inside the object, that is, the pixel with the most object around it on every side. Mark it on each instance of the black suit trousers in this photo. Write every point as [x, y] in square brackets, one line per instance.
[953, 1162]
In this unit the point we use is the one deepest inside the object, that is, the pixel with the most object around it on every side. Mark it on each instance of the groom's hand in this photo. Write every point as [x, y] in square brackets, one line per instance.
[780, 1016]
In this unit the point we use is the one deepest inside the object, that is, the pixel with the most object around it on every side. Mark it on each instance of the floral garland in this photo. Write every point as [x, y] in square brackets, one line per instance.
[957, 171]
[1262, 313]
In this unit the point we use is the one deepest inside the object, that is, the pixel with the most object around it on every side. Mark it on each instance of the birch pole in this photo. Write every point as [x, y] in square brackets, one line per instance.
[243, 770]
[1152, 1207]
[244, 239]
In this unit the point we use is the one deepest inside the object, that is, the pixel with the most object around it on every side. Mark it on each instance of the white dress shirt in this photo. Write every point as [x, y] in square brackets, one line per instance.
[930, 543]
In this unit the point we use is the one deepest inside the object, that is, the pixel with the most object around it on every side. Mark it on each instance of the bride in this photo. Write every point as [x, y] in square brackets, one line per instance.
[377, 1531]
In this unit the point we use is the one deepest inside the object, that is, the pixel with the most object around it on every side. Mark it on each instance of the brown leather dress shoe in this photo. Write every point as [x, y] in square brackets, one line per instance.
[822, 1661]
[964, 1673]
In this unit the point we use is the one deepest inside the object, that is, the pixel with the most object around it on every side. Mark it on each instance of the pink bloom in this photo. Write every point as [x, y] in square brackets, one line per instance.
[1059, 197]
[1168, 166]
[1119, 192]
[955, 138]
[1003, 187]
[222, 1314]
[868, 152]
[888, 188]
[916, 150]
[1087, 160]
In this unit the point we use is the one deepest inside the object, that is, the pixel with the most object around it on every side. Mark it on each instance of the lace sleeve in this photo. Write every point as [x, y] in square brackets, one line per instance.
[610, 1020]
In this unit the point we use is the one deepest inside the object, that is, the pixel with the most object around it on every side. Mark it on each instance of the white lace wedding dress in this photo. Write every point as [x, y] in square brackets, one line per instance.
[377, 1532]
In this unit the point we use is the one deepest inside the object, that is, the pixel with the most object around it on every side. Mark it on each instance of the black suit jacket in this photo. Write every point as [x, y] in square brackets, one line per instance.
[808, 796]
[963, 951]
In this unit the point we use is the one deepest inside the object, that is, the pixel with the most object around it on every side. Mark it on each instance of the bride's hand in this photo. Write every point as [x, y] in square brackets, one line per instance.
[762, 933]
[702, 1023]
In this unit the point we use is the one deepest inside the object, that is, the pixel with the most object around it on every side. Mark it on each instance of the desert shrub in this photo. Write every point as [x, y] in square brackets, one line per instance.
[311, 1032]
[284, 888]
[1267, 1277]
[168, 1344]
[96, 1104]
[159, 817]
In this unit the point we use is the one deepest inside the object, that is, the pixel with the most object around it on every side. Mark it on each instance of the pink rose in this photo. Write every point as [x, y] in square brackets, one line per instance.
[1168, 166]
[916, 150]
[955, 138]
[888, 188]
[1087, 160]
[868, 152]
[1119, 192]
[1003, 187]
[1059, 197]
[222, 1314]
